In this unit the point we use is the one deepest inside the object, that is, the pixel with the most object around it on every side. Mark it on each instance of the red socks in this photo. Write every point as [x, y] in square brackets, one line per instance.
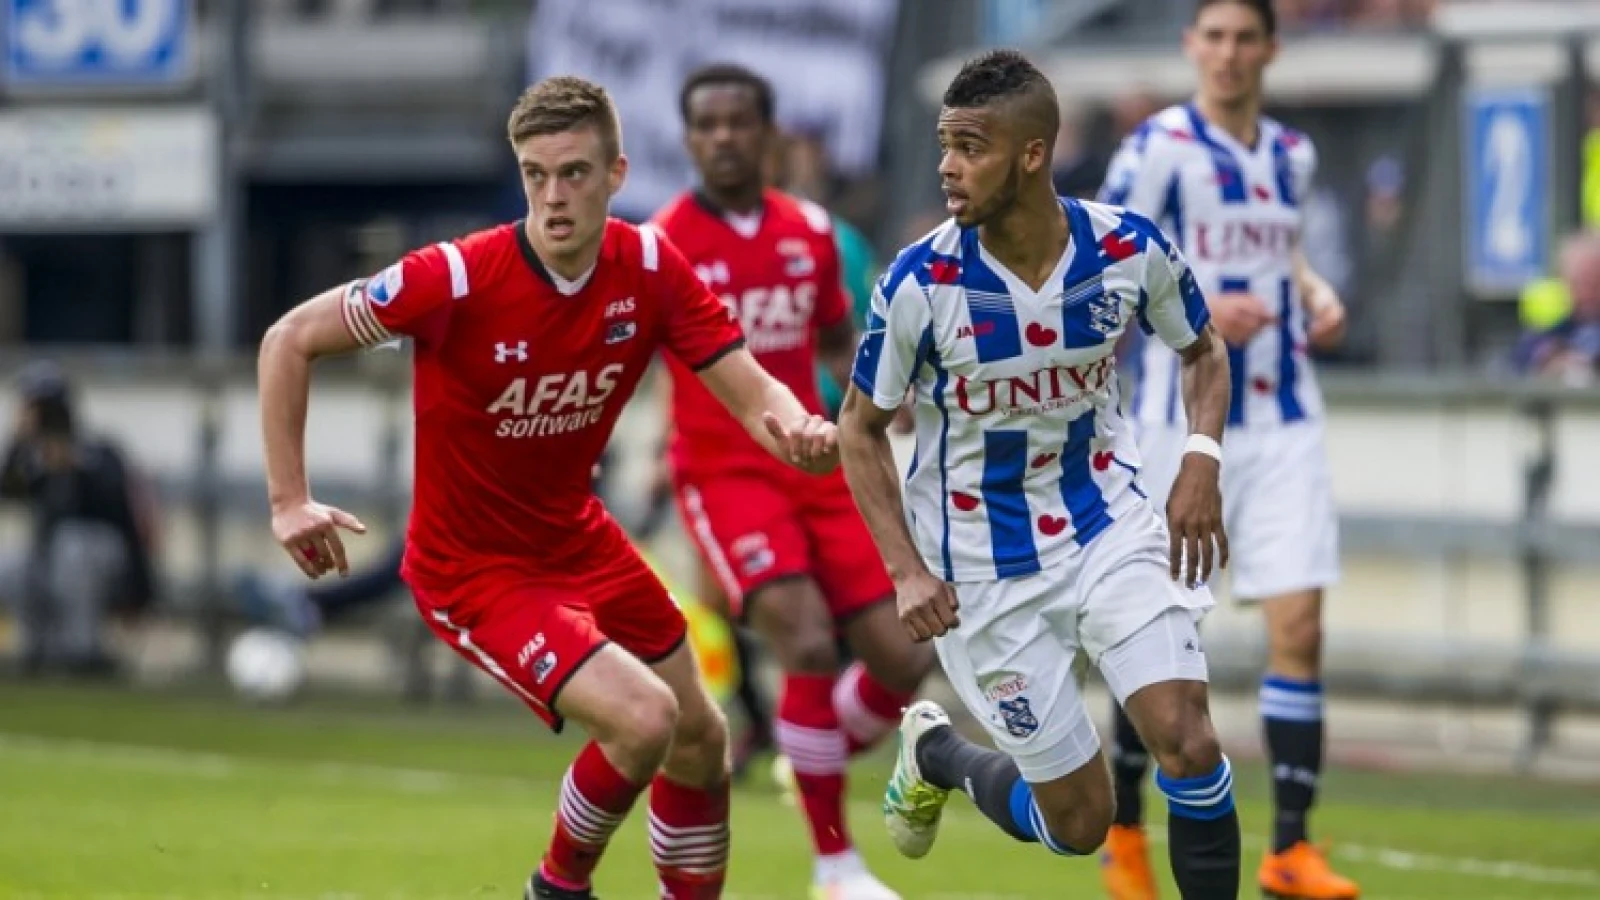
[595, 798]
[867, 711]
[808, 734]
[689, 839]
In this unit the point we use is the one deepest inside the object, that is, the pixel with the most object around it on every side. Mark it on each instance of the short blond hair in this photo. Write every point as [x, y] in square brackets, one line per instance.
[564, 103]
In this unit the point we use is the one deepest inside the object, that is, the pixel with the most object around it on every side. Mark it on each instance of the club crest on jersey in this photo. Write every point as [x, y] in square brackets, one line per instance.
[1018, 716]
[385, 286]
[797, 259]
[713, 273]
[504, 352]
[1104, 307]
[617, 332]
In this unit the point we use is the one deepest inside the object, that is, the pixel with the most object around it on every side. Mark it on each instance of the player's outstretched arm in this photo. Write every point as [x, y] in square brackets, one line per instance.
[770, 412]
[307, 530]
[1177, 312]
[926, 604]
[1194, 509]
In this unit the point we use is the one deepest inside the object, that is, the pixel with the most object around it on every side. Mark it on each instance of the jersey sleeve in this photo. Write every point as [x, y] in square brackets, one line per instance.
[699, 328]
[413, 297]
[833, 303]
[897, 341]
[1171, 306]
[1141, 173]
[1303, 160]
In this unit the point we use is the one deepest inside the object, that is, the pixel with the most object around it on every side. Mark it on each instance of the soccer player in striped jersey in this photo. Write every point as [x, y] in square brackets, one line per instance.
[1024, 536]
[1229, 185]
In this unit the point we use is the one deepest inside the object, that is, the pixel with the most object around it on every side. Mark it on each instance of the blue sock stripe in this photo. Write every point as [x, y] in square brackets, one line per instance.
[1021, 809]
[1168, 784]
[1293, 701]
[1204, 798]
[1029, 820]
[1294, 685]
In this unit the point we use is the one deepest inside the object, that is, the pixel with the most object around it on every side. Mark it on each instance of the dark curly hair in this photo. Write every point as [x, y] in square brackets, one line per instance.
[728, 73]
[1007, 78]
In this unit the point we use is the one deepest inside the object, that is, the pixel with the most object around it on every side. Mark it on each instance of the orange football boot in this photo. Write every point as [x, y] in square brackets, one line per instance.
[1302, 873]
[1125, 864]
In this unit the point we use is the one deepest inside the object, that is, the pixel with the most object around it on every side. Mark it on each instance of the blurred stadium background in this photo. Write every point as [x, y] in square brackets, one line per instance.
[175, 174]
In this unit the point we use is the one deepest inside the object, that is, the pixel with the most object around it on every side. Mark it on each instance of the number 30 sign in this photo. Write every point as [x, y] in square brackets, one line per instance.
[96, 42]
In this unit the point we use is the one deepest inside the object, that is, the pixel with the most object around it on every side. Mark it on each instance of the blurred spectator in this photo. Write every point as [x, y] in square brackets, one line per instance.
[94, 531]
[1338, 15]
[1591, 162]
[1569, 350]
[1386, 184]
[1130, 110]
[1076, 170]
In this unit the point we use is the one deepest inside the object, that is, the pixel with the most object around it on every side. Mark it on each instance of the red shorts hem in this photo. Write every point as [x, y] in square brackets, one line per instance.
[555, 692]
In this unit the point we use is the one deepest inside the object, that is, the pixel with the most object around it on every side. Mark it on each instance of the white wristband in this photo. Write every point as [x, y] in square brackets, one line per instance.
[1203, 444]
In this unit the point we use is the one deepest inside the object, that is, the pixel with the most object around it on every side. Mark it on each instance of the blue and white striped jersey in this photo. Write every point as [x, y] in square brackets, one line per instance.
[1021, 451]
[1236, 213]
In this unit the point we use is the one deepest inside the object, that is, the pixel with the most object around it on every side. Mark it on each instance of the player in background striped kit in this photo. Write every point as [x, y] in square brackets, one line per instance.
[1228, 185]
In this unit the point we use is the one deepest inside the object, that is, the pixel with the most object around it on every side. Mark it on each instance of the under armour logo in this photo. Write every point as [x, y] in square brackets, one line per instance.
[505, 352]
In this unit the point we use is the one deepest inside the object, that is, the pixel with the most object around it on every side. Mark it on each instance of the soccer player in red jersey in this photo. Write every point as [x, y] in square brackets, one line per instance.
[789, 548]
[529, 338]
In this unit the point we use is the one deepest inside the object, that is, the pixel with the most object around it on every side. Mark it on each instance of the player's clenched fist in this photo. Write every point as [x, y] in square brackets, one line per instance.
[1194, 516]
[810, 444]
[927, 605]
[309, 532]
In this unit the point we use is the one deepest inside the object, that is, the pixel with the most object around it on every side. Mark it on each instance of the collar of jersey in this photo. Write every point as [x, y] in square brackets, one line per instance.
[704, 201]
[565, 287]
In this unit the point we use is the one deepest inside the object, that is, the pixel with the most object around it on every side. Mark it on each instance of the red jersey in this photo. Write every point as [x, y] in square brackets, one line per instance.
[779, 272]
[520, 376]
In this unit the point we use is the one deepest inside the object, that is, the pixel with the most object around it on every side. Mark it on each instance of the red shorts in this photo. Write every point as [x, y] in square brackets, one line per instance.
[753, 529]
[533, 629]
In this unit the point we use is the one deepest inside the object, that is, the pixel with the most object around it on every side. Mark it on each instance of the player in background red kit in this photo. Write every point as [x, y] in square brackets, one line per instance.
[789, 548]
[529, 338]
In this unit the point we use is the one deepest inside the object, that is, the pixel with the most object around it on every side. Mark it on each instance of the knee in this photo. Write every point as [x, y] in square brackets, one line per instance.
[1192, 752]
[704, 730]
[644, 731]
[699, 755]
[810, 651]
[796, 623]
[1081, 828]
[903, 668]
[1296, 639]
[1301, 640]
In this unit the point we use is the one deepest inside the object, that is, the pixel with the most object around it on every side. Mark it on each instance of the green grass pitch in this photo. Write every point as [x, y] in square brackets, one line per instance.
[119, 794]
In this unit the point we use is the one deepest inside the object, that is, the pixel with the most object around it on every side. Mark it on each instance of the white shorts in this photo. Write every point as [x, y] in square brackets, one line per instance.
[1011, 659]
[1277, 503]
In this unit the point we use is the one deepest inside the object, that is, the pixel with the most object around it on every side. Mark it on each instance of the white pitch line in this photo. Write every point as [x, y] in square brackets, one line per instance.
[1510, 870]
[203, 764]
